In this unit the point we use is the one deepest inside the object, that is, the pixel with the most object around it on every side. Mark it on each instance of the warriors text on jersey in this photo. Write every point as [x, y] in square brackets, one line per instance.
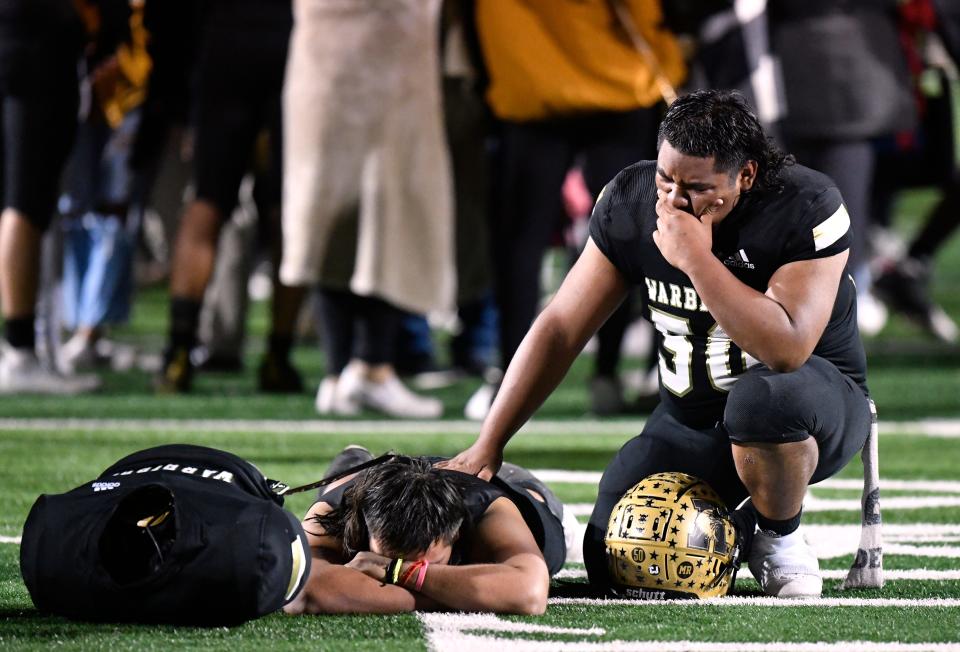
[699, 363]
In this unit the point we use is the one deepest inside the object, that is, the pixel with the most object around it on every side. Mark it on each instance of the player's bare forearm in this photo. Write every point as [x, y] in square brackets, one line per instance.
[335, 589]
[782, 326]
[755, 322]
[518, 587]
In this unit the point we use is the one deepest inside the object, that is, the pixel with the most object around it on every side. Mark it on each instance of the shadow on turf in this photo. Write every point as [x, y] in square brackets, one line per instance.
[565, 589]
[568, 589]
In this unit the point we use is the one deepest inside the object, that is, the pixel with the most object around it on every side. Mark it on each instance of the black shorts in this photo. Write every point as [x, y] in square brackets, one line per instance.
[815, 401]
[37, 125]
[239, 85]
[544, 518]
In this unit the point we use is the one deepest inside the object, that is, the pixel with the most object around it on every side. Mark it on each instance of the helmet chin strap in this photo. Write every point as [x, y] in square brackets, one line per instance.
[281, 489]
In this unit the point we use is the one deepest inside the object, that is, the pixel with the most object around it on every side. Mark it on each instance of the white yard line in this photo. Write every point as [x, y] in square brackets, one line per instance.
[470, 643]
[886, 484]
[734, 601]
[456, 633]
[948, 428]
[919, 574]
[814, 504]
[490, 622]
[5, 539]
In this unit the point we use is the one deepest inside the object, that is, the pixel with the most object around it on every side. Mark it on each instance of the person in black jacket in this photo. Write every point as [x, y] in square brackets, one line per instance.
[846, 82]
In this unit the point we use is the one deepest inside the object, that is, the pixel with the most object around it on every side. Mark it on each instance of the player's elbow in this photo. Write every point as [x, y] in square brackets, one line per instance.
[532, 590]
[531, 600]
[785, 365]
[784, 360]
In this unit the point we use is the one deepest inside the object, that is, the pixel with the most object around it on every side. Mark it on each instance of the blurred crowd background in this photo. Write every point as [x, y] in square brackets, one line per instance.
[387, 170]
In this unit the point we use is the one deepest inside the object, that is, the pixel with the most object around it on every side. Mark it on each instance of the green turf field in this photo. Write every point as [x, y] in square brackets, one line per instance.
[51, 445]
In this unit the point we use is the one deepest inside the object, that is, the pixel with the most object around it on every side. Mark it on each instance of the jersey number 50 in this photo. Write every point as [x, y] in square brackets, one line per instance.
[676, 373]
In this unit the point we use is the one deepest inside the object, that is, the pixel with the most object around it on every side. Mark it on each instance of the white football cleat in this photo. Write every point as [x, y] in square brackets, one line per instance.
[394, 399]
[785, 566]
[22, 373]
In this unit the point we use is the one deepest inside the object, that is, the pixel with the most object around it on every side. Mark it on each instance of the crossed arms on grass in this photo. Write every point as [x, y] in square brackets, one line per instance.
[506, 573]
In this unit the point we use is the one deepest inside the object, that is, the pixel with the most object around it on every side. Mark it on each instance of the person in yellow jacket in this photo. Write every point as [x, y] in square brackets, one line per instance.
[571, 82]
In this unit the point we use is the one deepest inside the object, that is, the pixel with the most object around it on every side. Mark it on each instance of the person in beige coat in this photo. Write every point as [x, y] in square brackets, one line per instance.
[367, 205]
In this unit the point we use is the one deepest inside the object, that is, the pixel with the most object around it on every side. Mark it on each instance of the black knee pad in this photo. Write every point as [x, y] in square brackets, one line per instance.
[770, 407]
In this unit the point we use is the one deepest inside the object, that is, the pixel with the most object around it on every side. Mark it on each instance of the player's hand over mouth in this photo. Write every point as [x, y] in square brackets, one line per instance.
[683, 238]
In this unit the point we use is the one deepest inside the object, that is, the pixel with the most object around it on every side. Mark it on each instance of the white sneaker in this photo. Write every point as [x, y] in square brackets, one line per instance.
[785, 566]
[393, 398]
[942, 326]
[871, 314]
[331, 399]
[478, 405]
[22, 373]
[77, 353]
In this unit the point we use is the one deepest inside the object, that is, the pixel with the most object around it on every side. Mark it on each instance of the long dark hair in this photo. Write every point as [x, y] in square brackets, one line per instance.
[721, 124]
[406, 503]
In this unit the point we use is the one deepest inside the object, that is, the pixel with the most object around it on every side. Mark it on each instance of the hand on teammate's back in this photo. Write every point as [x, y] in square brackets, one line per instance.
[476, 460]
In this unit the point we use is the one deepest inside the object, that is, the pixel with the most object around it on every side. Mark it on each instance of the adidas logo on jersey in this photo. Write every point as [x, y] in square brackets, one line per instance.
[739, 259]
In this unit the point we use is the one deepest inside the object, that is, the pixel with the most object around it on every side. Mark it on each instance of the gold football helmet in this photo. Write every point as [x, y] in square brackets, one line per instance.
[670, 536]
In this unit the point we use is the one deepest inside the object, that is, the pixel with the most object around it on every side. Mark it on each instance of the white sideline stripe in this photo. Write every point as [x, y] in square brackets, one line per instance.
[5, 539]
[318, 426]
[948, 428]
[764, 601]
[813, 504]
[946, 486]
[920, 574]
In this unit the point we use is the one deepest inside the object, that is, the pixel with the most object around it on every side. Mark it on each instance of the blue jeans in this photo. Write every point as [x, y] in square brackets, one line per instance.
[97, 271]
[98, 249]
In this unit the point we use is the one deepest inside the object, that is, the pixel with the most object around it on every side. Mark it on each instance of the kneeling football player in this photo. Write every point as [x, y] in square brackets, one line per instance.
[763, 389]
[404, 535]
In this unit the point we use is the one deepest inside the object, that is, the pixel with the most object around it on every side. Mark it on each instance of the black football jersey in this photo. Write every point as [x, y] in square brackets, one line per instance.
[699, 363]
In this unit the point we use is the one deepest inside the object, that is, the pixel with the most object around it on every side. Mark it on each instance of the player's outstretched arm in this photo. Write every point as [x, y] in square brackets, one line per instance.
[335, 588]
[589, 294]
